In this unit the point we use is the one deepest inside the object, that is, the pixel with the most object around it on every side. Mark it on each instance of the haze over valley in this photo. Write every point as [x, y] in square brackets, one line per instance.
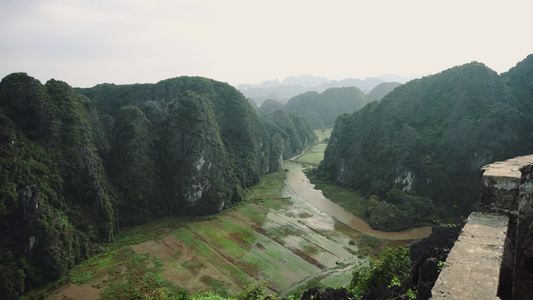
[250, 150]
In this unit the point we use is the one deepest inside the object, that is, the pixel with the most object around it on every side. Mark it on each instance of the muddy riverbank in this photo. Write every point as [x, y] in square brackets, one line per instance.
[298, 186]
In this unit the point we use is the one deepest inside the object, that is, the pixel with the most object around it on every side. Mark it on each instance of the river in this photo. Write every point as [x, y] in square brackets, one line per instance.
[298, 186]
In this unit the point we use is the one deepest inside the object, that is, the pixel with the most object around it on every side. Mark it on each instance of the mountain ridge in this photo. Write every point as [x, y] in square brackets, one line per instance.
[430, 136]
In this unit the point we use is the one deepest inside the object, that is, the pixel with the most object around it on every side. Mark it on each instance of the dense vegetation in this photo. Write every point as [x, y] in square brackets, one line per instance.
[75, 168]
[381, 90]
[269, 106]
[290, 133]
[430, 136]
[321, 110]
[55, 197]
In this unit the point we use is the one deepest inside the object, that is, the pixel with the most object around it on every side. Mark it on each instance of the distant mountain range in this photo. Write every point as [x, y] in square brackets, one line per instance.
[292, 86]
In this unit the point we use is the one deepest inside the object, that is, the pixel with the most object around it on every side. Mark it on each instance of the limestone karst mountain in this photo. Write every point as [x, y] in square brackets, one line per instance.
[77, 164]
[430, 136]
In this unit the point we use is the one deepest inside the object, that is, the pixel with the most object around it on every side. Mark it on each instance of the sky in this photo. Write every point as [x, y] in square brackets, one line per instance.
[85, 43]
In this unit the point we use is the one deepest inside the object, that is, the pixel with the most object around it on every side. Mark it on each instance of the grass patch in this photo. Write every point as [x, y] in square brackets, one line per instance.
[314, 154]
[345, 197]
[337, 280]
[83, 277]
[370, 241]
[323, 134]
[268, 188]
[218, 287]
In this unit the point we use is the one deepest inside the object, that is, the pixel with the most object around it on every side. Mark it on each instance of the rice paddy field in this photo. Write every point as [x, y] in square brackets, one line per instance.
[274, 240]
[315, 154]
[276, 236]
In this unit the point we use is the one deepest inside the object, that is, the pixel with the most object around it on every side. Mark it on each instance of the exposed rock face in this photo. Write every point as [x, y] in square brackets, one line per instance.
[196, 143]
[52, 182]
[69, 177]
[29, 198]
[195, 157]
[428, 257]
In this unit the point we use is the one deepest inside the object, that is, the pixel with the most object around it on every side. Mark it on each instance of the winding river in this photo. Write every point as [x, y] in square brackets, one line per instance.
[298, 186]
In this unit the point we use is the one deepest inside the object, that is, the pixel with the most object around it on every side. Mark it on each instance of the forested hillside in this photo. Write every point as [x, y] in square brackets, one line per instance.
[269, 106]
[55, 198]
[430, 136]
[381, 90]
[321, 110]
[290, 133]
[74, 168]
[204, 139]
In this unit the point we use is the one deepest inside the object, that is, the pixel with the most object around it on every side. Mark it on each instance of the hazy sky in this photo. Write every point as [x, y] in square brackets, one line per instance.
[246, 41]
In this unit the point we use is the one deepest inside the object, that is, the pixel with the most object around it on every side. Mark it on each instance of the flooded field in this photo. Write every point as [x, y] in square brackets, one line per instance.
[286, 238]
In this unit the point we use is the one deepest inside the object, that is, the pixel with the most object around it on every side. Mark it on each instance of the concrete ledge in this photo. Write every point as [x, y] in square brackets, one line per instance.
[472, 268]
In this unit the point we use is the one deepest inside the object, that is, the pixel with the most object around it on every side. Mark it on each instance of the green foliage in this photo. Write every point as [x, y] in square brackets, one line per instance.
[256, 292]
[393, 266]
[55, 198]
[321, 110]
[185, 145]
[290, 132]
[83, 277]
[185, 122]
[298, 292]
[518, 79]
[269, 106]
[411, 294]
[370, 241]
[379, 91]
[430, 136]
[394, 196]
[399, 211]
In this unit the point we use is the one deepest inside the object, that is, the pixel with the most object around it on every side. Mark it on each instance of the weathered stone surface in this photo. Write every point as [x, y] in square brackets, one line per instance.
[500, 184]
[473, 266]
[507, 189]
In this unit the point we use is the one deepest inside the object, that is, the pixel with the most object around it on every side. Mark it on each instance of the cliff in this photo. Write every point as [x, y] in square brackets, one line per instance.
[77, 164]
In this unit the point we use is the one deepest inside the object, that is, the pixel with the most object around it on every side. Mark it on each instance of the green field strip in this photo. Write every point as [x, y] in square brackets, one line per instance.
[278, 263]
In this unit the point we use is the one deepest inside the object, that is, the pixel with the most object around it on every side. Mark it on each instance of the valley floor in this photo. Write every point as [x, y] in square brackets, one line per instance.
[284, 236]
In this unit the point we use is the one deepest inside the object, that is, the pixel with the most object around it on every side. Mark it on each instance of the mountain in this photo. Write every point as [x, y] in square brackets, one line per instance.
[382, 89]
[430, 136]
[56, 200]
[252, 103]
[269, 106]
[290, 132]
[207, 142]
[321, 110]
[293, 86]
[520, 80]
[78, 164]
[306, 81]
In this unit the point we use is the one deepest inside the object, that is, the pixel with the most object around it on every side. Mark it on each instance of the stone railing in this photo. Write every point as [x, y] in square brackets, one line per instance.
[493, 257]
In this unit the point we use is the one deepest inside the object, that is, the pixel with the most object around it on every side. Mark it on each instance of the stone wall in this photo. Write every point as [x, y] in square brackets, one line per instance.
[493, 257]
